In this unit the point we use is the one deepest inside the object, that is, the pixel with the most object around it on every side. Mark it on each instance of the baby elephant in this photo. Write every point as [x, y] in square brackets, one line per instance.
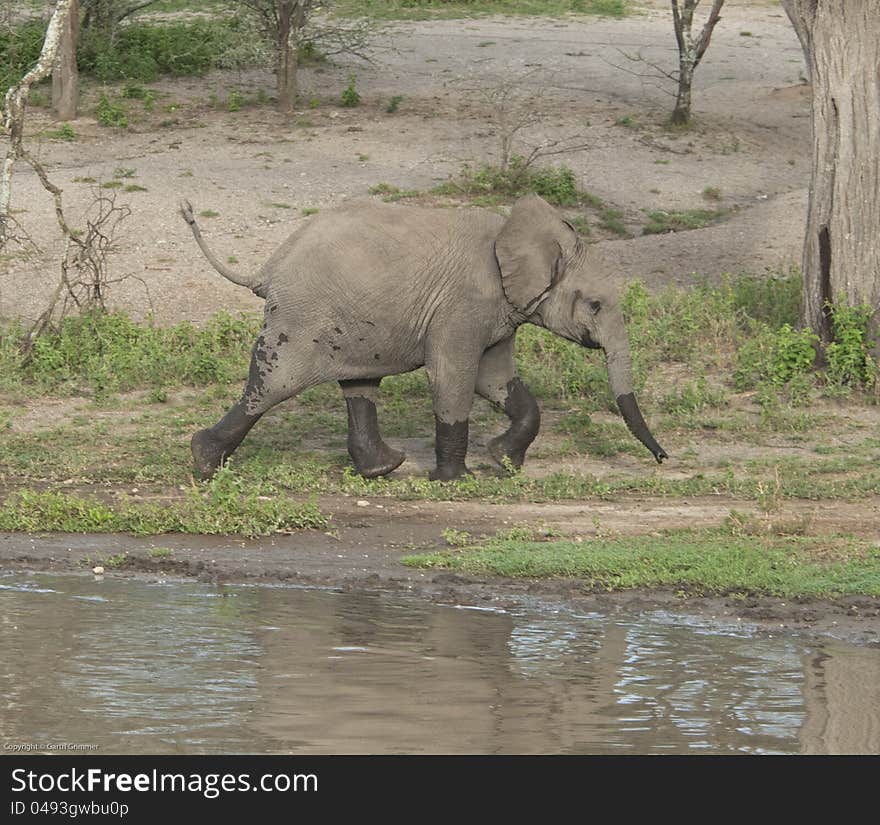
[374, 289]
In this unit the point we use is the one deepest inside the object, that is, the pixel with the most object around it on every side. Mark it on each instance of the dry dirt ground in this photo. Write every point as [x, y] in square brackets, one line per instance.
[259, 171]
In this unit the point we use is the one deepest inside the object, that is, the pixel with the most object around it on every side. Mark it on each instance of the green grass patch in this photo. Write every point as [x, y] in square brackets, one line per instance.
[222, 507]
[390, 193]
[100, 353]
[660, 221]
[695, 561]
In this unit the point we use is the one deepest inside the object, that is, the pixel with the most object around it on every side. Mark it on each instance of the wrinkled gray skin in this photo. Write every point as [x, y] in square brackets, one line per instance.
[374, 289]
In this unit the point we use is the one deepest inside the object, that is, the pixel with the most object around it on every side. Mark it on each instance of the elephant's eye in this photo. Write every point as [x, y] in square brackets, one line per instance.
[595, 306]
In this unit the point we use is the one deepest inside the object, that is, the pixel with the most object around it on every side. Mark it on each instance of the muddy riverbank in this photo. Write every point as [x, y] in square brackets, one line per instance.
[368, 539]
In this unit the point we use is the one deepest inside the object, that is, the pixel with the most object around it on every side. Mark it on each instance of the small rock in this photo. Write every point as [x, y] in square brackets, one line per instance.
[362, 503]
[98, 571]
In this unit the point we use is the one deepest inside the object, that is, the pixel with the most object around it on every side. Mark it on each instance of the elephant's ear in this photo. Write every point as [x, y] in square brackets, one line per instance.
[529, 252]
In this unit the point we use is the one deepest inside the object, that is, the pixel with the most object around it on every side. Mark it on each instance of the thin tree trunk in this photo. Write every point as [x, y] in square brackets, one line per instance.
[290, 21]
[681, 114]
[65, 77]
[16, 105]
[841, 259]
[690, 51]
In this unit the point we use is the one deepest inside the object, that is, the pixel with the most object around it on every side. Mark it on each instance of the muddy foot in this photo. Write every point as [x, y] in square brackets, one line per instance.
[379, 464]
[449, 473]
[500, 448]
[208, 454]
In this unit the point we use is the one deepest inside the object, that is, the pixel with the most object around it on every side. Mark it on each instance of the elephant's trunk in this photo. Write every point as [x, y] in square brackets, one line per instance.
[620, 379]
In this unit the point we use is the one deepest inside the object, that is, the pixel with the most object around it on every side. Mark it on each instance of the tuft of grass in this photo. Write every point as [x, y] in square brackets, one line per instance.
[394, 104]
[64, 132]
[391, 193]
[661, 221]
[209, 213]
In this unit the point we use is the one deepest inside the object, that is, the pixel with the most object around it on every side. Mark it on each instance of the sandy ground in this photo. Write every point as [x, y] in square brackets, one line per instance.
[259, 170]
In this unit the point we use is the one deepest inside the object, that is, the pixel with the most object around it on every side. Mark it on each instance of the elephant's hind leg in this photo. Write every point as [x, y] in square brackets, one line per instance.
[498, 383]
[267, 386]
[372, 457]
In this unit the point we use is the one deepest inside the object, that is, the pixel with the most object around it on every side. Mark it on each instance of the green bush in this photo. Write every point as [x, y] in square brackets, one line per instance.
[557, 185]
[143, 51]
[774, 356]
[19, 49]
[849, 363]
[110, 113]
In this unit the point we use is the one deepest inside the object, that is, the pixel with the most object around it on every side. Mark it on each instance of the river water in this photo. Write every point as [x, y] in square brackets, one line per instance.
[132, 666]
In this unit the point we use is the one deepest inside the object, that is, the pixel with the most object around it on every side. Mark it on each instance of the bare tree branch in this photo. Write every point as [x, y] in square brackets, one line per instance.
[15, 108]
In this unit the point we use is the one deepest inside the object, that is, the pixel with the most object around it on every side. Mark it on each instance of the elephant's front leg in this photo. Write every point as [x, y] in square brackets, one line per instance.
[372, 457]
[498, 383]
[452, 386]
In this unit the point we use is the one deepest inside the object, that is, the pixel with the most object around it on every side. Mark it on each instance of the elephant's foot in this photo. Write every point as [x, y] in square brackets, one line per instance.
[372, 457]
[208, 454]
[451, 448]
[448, 473]
[503, 447]
[525, 421]
[377, 461]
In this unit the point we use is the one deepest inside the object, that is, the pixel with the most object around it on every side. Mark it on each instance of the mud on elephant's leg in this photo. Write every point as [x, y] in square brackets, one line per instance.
[525, 421]
[266, 386]
[453, 392]
[371, 456]
[211, 447]
[498, 383]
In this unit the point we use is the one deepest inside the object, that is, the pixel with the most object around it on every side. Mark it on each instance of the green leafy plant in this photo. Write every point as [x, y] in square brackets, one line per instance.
[775, 356]
[350, 96]
[394, 104]
[849, 363]
[111, 114]
[63, 132]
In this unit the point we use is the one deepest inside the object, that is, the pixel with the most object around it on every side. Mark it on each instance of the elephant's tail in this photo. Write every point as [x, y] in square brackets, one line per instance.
[242, 280]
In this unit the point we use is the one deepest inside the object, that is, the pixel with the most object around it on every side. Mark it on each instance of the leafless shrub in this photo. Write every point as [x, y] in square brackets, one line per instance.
[514, 109]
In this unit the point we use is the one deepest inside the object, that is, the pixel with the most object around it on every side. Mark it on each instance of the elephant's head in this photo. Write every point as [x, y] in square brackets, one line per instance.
[548, 277]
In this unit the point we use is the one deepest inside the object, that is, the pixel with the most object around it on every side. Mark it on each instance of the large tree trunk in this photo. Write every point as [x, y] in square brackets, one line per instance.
[65, 76]
[841, 259]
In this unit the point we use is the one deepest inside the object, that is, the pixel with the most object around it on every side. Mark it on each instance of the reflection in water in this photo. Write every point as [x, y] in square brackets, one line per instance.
[149, 668]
